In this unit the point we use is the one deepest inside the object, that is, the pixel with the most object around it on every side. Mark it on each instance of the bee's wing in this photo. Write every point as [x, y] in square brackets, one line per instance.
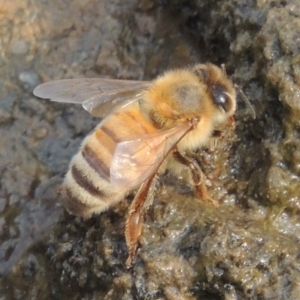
[97, 95]
[134, 161]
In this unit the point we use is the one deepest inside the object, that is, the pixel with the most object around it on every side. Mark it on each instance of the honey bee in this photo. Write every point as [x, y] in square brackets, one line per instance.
[148, 128]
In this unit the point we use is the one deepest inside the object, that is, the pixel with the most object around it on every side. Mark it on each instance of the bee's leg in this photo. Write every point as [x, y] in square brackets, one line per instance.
[197, 175]
[134, 223]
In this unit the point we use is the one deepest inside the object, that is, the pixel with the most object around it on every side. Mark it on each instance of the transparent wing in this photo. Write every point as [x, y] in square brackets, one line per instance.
[97, 95]
[134, 161]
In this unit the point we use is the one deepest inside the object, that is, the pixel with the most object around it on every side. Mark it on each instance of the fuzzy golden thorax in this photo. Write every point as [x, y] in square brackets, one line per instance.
[178, 95]
[202, 92]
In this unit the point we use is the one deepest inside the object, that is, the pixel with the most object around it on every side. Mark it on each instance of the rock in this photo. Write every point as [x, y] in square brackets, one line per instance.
[247, 248]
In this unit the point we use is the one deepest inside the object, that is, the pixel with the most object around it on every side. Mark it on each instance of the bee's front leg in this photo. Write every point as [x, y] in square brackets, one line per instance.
[197, 175]
[134, 223]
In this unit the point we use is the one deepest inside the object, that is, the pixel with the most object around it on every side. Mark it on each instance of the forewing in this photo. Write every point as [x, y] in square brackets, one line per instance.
[134, 161]
[97, 95]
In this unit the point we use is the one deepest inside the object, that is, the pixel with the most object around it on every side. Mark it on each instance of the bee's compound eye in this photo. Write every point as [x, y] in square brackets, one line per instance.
[220, 97]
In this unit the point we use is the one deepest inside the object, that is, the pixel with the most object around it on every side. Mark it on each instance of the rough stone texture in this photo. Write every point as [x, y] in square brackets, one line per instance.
[248, 248]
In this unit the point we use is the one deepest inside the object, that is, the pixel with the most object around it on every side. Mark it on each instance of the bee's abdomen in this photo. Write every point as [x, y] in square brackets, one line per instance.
[87, 189]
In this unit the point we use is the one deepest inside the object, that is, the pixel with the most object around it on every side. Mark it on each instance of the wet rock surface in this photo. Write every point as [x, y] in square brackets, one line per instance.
[248, 248]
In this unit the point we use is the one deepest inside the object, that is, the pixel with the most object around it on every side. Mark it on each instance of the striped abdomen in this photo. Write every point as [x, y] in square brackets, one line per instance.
[87, 189]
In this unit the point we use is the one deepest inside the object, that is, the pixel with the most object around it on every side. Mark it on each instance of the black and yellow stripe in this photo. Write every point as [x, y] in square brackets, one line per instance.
[87, 187]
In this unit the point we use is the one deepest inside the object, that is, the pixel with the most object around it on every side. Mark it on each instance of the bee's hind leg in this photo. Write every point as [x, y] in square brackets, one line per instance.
[197, 175]
[134, 223]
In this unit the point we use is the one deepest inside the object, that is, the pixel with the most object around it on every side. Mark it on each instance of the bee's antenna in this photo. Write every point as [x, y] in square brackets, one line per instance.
[246, 100]
[223, 68]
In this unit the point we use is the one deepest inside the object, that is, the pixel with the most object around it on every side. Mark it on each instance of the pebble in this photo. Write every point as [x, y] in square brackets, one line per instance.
[29, 79]
[20, 47]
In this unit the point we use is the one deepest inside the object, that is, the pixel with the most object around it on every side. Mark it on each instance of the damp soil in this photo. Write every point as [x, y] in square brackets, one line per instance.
[247, 248]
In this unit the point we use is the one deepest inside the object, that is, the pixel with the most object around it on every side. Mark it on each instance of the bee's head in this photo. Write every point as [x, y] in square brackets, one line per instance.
[219, 88]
